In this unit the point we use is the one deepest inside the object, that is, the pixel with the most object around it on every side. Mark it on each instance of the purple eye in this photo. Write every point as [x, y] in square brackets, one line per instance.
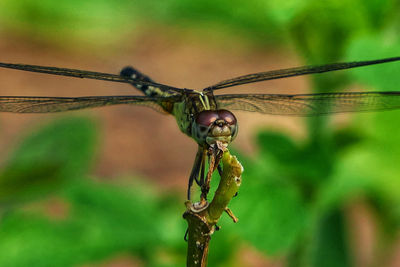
[227, 116]
[206, 117]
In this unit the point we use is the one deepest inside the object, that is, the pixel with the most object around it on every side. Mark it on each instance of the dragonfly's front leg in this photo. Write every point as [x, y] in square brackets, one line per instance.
[219, 169]
[203, 167]
[214, 156]
[198, 167]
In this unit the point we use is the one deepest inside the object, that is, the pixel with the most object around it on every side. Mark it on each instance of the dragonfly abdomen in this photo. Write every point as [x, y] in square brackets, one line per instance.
[149, 90]
[132, 73]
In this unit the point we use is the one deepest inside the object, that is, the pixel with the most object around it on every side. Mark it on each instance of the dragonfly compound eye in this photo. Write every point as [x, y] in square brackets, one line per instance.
[210, 126]
[227, 116]
[206, 117]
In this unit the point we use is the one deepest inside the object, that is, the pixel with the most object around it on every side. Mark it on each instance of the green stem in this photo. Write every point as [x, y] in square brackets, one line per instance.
[202, 220]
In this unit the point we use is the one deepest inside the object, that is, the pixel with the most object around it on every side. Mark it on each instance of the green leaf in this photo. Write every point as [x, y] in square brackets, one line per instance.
[330, 242]
[104, 220]
[280, 146]
[57, 152]
[271, 213]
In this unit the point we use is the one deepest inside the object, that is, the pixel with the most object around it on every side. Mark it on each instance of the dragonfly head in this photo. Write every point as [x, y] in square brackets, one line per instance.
[210, 126]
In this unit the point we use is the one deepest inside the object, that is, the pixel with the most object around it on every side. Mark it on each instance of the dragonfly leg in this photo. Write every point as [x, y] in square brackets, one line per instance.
[194, 175]
[203, 167]
[200, 179]
[205, 187]
[192, 178]
[219, 169]
[188, 190]
[186, 235]
[215, 155]
[197, 180]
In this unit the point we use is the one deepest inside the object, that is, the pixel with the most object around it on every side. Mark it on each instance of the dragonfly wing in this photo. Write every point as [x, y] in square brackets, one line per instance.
[87, 74]
[310, 104]
[283, 73]
[22, 104]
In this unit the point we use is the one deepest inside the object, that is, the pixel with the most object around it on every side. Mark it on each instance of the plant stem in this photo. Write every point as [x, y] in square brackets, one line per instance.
[202, 219]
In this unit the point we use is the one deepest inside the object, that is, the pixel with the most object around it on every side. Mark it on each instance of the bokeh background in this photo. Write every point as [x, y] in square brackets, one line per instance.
[105, 187]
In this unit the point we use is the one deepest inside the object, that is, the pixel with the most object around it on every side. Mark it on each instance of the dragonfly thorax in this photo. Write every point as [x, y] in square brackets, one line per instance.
[210, 126]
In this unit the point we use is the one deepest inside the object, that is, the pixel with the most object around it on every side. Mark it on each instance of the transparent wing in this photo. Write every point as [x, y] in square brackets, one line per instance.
[283, 73]
[22, 104]
[86, 74]
[310, 104]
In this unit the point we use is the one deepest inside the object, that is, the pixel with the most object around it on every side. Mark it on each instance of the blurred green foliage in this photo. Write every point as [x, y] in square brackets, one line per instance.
[102, 219]
[295, 193]
[59, 152]
[260, 21]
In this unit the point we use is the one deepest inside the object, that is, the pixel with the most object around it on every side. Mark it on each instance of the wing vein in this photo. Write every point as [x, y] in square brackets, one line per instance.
[28, 104]
[297, 71]
[310, 104]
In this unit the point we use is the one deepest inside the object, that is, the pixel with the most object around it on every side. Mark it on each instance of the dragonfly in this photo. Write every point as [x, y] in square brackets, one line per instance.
[203, 115]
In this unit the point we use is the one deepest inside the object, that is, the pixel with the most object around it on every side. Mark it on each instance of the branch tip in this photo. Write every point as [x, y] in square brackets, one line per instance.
[230, 214]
